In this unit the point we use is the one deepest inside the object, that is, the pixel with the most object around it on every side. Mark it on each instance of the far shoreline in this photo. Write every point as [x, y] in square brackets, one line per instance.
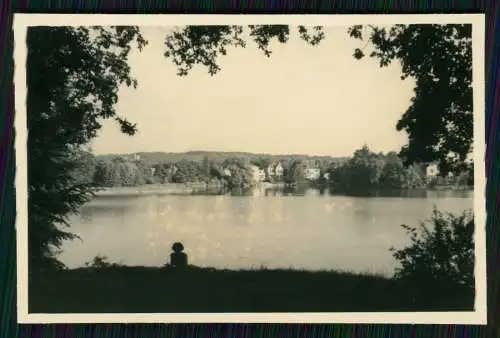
[200, 187]
[170, 188]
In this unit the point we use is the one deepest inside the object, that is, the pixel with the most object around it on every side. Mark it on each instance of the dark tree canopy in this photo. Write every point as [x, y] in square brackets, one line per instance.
[439, 121]
[73, 76]
[193, 45]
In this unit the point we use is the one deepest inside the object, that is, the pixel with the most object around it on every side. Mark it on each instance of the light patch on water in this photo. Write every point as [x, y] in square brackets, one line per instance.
[329, 207]
[278, 217]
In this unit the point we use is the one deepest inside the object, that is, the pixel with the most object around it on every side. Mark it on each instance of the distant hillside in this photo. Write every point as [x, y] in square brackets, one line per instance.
[152, 158]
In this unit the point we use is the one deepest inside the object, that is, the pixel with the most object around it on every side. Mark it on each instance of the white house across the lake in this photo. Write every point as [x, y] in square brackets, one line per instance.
[312, 174]
[275, 170]
[258, 174]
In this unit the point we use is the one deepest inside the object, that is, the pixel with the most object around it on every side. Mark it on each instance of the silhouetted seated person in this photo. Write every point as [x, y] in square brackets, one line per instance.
[178, 259]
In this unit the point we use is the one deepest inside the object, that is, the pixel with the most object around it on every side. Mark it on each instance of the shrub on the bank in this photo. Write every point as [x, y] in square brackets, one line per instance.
[441, 252]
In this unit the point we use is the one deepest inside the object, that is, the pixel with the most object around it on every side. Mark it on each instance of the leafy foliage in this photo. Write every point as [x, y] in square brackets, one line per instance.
[439, 57]
[368, 170]
[73, 76]
[99, 262]
[393, 172]
[85, 165]
[193, 45]
[121, 172]
[241, 174]
[441, 252]
[152, 159]
[414, 176]
[295, 172]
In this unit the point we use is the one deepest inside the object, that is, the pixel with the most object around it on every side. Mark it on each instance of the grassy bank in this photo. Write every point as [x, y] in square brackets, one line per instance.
[140, 289]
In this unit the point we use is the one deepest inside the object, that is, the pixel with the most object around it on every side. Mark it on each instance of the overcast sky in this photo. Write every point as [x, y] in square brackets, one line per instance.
[307, 100]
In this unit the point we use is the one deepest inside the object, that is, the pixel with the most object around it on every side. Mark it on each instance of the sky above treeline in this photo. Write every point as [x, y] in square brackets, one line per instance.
[302, 100]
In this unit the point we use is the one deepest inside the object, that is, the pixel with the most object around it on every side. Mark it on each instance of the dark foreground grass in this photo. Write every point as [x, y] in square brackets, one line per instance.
[148, 290]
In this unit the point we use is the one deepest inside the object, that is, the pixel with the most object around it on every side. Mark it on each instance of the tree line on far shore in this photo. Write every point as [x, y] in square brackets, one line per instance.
[126, 172]
[369, 170]
[365, 170]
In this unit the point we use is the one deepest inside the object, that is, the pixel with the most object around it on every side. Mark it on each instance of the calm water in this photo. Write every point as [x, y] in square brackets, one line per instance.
[309, 229]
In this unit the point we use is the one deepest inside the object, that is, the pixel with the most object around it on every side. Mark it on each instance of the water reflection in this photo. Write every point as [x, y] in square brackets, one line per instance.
[272, 226]
[303, 190]
[409, 193]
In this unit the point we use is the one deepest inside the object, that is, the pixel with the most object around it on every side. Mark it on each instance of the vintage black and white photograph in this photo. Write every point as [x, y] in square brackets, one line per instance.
[253, 168]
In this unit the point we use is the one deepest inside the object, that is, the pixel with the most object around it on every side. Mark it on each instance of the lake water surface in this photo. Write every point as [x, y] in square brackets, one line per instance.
[267, 227]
